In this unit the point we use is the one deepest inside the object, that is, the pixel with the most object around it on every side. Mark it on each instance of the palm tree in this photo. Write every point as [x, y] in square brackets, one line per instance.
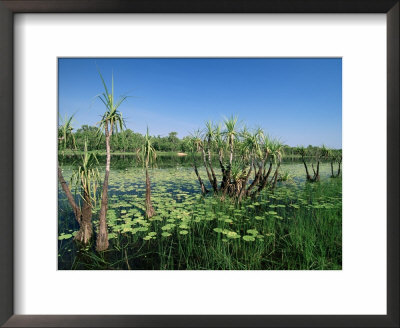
[86, 179]
[110, 122]
[335, 156]
[303, 152]
[67, 139]
[148, 156]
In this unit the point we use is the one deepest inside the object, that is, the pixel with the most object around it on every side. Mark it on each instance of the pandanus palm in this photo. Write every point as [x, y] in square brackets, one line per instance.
[110, 123]
[67, 139]
[86, 178]
[149, 155]
[303, 152]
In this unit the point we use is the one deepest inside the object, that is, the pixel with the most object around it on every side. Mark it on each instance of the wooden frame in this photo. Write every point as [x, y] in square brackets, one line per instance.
[7, 10]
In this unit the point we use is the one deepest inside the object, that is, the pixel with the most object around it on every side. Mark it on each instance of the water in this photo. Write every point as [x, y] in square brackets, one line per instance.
[175, 192]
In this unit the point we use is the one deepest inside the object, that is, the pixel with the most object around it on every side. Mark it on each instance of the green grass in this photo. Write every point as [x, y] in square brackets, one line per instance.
[299, 227]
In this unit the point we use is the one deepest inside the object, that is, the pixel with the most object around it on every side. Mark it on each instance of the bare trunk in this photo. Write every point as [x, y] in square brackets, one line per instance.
[206, 166]
[317, 173]
[276, 176]
[223, 171]
[70, 197]
[86, 229]
[204, 190]
[260, 172]
[243, 187]
[149, 206]
[231, 154]
[307, 173]
[264, 181]
[102, 237]
[226, 183]
[214, 182]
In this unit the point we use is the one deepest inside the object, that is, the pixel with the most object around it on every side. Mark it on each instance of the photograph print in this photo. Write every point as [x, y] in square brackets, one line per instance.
[199, 164]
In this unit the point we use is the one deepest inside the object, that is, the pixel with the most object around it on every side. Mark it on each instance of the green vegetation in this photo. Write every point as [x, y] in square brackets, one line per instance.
[231, 202]
[296, 227]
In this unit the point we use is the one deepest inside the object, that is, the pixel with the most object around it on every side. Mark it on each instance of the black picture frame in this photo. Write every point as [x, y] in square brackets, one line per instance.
[8, 127]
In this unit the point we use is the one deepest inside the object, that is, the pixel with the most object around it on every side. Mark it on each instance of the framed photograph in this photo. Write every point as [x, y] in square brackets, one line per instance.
[194, 164]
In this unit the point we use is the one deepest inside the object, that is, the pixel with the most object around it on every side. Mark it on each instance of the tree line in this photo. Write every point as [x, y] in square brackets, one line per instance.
[130, 141]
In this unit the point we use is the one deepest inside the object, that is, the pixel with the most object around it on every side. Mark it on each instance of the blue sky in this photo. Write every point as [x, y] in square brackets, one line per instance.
[298, 100]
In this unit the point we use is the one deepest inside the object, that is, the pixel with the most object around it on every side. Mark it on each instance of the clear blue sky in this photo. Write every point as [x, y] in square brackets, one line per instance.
[296, 100]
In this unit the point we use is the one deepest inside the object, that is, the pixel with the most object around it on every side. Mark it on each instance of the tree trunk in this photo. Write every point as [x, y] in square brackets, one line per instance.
[205, 164]
[307, 173]
[339, 168]
[70, 197]
[149, 206]
[204, 190]
[276, 176]
[223, 172]
[102, 237]
[226, 183]
[86, 229]
[231, 154]
[243, 187]
[264, 181]
[259, 173]
[215, 182]
[317, 173]
[332, 174]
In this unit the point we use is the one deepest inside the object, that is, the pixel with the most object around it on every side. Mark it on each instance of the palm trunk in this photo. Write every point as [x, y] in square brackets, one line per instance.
[307, 173]
[264, 181]
[149, 206]
[222, 171]
[206, 166]
[86, 229]
[276, 175]
[215, 182]
[70, 197]
[231, 154]
[102, 237]
[204, 190]
[243, 187]
[317, 173]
